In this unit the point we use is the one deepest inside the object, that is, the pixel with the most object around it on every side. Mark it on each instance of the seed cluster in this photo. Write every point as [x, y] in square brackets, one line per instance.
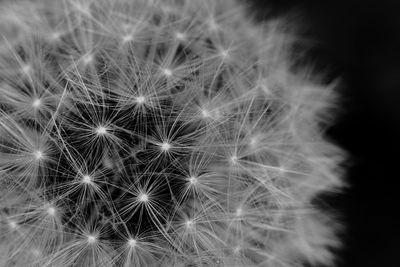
[158, 133]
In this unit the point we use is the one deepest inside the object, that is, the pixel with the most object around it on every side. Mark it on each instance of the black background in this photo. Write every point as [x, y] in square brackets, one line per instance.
[360, 42]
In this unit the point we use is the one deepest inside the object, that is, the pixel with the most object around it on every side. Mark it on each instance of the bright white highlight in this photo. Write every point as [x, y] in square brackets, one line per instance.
[86, 59]
[37, 103]
[38, 154]
[132, 243]
[165, 146]
[143, 197]
[224, 53]
[26, 69]
[101, 130]
[192, 180]
[205, 113]
[91, 239]
[127, 38]
[167, 72]
[13, 225]
[234, 159]
[86, 179]
[180, 36]
[140, 99]
[189, 223]
[239, 212]
[51, 211]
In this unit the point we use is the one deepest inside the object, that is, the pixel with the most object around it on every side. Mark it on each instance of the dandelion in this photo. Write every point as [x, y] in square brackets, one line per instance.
[143, 197]
[86, 179]
[132, 243]
[180, 36]
[101, 130]
[165, 146]
[38, 154]
[140, 99]
[192, 180]
[160, 133]
[36, 103]
[127, 38]
[167, 72]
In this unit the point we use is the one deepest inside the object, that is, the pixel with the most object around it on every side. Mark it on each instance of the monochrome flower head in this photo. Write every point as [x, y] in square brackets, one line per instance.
[160, 133]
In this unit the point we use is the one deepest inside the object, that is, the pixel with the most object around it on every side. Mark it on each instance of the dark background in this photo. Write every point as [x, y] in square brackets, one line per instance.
[360, 42]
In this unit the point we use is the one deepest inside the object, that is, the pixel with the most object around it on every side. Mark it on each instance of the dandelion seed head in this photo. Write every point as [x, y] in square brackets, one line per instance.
[26, 69]
[143, 197]
[87, 179]
[55, 36]
[192, 180]
[13, 225]
[38, 154]
[51, 211]
[91, 239]
[224, 53]
[189, 223]
[165, 146]
[127, 38]
[180, 36]
[140, 99]
[37, 103]
[253, 141]
[167, 72]
[101, 130]
[205, 113]
[132, 243]
[87, 59]
[234, 159]
[179, 122]
[239, 212]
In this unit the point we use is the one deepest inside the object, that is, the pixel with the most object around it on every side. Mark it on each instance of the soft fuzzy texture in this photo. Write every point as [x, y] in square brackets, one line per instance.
[159, 133]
